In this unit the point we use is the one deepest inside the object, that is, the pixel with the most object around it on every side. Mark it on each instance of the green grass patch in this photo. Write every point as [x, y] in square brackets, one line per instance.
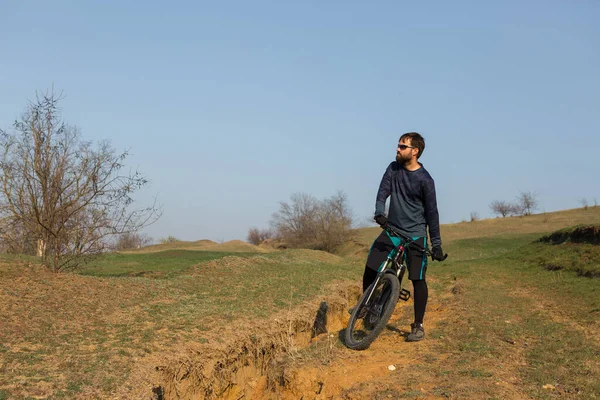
[512, 308]
[160, 264]
[482, 248]
[582, 259]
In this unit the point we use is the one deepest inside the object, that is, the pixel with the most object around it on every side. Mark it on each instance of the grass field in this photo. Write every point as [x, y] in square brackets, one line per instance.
[68, 335]
[167, 263]
[511, 309]
[510, 317]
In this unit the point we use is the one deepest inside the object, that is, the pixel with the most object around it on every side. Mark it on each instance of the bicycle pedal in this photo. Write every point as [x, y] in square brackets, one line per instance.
[404, 294]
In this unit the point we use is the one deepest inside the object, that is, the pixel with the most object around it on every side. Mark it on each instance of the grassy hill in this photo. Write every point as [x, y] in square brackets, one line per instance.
[510, 316]
[232, 246]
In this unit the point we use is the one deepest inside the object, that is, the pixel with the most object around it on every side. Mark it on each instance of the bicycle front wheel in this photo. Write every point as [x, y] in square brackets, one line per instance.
[373, 311]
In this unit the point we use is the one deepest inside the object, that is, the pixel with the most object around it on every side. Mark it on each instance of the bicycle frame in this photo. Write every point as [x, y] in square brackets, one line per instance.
[395, 263]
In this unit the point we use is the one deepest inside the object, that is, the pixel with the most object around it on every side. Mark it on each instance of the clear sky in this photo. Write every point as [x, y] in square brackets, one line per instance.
[230, 107]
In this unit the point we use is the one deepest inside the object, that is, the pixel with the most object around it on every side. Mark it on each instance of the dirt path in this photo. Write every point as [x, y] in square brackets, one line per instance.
[460, 358]
[354, 375]
[393, 368]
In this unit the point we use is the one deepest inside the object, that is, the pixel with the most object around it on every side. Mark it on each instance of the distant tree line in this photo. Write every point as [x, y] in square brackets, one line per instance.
[306, 222]
[524, 204]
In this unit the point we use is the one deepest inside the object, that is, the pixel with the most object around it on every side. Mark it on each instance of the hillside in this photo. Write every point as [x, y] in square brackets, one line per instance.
[489, 315]
[232, 246]
[509, 317]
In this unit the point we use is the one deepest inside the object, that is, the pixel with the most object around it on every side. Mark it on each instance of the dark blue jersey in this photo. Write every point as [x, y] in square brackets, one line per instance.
[413, 204]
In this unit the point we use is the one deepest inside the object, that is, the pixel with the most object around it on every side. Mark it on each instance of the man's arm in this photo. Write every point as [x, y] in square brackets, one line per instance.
[431, 212]
[385, 188]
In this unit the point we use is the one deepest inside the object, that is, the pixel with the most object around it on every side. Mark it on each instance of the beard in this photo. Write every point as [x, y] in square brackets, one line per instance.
[400, 159]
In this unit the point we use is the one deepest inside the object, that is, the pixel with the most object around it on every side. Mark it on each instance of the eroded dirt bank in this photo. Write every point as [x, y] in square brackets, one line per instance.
[250, 359]
[298, 354]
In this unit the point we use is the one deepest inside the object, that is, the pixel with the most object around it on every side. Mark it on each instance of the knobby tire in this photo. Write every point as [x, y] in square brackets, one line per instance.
[388, 282]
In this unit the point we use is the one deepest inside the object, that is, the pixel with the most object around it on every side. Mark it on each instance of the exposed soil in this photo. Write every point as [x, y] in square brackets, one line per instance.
[285, 360]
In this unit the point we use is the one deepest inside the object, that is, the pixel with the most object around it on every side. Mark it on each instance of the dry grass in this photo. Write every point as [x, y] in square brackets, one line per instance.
[232, 246]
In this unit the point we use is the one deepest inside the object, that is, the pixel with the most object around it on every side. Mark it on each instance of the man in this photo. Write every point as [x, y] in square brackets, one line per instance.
[413, 209]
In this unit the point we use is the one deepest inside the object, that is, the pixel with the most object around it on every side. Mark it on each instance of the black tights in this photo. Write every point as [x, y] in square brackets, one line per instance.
[420, 293]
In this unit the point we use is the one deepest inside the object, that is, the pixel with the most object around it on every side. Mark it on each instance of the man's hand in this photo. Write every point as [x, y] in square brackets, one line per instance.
[437, 253]
[381, 220]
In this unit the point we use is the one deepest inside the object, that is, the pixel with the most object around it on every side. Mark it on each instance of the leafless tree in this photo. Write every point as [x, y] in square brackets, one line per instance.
[584, 203]
[501, 207]
[132, 240]
[309, 223]
[15, 239]
[527, 202]
[474, 216]
[334, 221]
[295, 223]
[68, 195]
[257, 236]
[516, 209]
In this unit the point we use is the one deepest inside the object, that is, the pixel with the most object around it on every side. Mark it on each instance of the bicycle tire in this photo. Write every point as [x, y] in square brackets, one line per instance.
[357, 339]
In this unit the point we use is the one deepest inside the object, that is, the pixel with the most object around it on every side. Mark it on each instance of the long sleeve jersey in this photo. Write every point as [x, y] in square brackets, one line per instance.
[413, 204]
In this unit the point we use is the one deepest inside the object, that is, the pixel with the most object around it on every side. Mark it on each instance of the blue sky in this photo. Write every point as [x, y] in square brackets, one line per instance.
[230, 107]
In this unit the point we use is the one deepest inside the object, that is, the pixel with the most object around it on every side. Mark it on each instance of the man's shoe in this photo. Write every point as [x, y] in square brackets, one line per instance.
[417, 332]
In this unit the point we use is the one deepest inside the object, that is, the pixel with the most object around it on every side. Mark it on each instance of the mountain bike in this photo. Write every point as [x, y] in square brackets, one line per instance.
[377, 303]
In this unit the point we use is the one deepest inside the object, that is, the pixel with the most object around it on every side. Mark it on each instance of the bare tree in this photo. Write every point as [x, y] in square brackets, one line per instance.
[132, 240]
[309, 223]
[257, 236]
[474, 216]
[516, 209]
[584, 203]
[295, 222]
[334, 222]
[69, 196]
[527, 202]
[14, 239]
[502, 207]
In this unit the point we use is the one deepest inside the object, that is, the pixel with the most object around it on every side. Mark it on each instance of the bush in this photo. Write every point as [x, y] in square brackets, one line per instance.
[314, 224]
[257, 236]
[474, 216]
[134, 240]
[169, 239]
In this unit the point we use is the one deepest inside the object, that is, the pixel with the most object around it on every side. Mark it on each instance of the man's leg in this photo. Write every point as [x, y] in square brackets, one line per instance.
[417, 267]
[368, 277]
[377, 255]
[420, 295]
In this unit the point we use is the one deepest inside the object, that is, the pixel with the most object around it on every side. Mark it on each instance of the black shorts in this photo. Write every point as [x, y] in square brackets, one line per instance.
[416, 260]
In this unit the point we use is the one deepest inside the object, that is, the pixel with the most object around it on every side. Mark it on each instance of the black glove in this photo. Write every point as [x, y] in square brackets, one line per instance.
[437, 253]
[381, 220]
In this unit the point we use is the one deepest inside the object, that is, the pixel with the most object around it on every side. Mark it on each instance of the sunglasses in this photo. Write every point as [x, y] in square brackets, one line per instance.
[404, 147]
